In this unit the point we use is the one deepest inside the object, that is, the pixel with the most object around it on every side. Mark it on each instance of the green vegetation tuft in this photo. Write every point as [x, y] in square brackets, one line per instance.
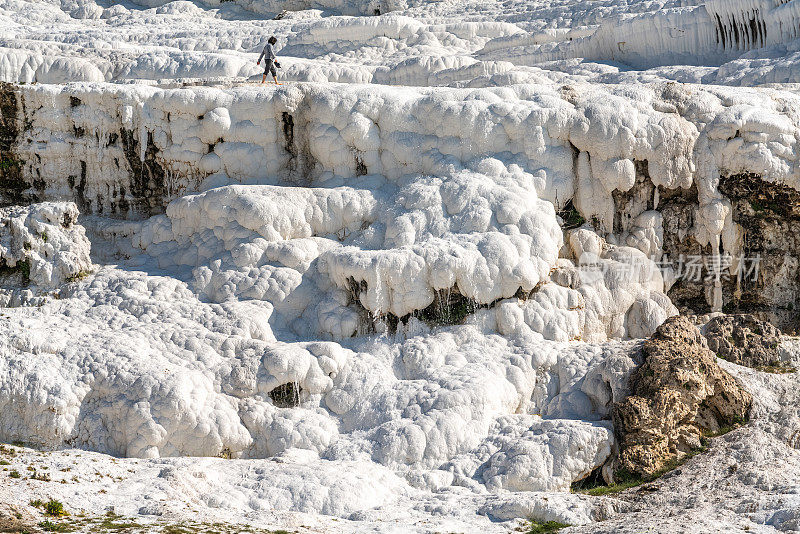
[546, 526]
[571, 217]
[54, 508]
[8, 164]
[14, 473]
[44, 477]
[617, 487]
[761, 208]
[80, 275]
[23, 267]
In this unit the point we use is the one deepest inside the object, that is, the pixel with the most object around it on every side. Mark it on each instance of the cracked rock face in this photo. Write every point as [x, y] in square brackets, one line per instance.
[678, 394]
[744, 340]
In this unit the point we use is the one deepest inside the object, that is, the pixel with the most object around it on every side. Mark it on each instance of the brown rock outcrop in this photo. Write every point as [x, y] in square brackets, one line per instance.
[744, 340]
[678, 394]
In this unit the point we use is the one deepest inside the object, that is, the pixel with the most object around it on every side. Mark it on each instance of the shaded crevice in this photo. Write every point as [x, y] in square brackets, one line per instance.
[288, 134]
[301, 163]
[449, 307]
[678, 209]
[367, 321]
[361, 167]
[83, 204]
[147, 177]
[286, 395]
[13, 188]
[743, 31]
[639, 198]
[593, 480]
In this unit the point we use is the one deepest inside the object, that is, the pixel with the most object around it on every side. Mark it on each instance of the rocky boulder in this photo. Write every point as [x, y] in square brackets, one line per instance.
[744, 340]
[43, 245]
[678, 394]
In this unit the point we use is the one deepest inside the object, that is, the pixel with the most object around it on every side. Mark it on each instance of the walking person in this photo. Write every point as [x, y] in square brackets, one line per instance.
[268, 55]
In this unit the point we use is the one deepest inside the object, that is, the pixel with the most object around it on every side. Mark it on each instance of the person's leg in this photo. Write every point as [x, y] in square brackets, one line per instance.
[264, 78]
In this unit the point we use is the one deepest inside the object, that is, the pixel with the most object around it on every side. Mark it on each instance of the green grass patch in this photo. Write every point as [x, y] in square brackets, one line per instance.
[776, 369]
[49, 526]
[625, 480]
[611, 489]
[108, 524]
[113, 521]
[214, 528]
[537, 527]
[14, 473]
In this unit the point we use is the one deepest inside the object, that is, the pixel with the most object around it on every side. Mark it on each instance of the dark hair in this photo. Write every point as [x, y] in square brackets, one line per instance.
[272, 40]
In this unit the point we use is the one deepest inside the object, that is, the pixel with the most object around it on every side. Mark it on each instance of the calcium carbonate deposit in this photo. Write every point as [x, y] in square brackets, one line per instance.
[407, 289]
